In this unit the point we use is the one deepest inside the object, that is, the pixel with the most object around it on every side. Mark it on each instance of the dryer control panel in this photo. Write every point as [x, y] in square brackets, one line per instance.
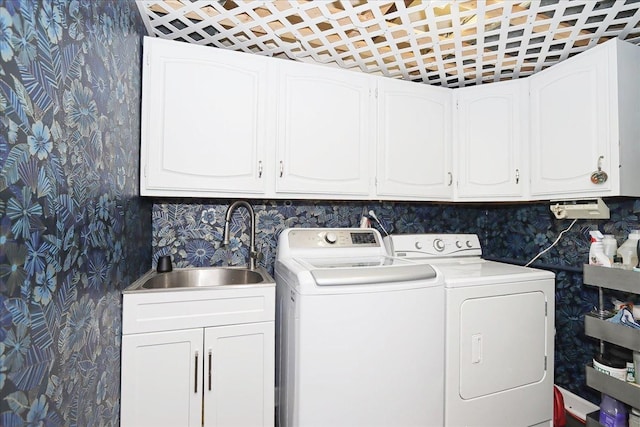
[433, 245]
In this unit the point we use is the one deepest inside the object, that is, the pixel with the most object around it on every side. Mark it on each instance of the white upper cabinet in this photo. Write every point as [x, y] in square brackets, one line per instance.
[491, 137]
[204, 120]
[585, 124]
[325, 131]
[414, 141]
[218, 123]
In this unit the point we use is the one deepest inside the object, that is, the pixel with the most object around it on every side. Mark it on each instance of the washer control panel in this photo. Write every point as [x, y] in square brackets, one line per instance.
[433, 245]
[333, 237]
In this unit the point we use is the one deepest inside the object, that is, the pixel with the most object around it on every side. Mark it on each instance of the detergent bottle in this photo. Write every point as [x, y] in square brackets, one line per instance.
[629, 250]
[612, 412]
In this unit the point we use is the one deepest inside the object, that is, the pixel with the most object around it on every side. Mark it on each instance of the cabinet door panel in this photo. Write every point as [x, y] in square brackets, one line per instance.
[162, 379]
[414, 140]
[570, 125]
[204, 118]
[324, 130]
[490, 140]
[240, 389]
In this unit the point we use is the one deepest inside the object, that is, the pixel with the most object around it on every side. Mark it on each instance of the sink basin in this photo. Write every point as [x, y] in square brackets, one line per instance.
[203, 277]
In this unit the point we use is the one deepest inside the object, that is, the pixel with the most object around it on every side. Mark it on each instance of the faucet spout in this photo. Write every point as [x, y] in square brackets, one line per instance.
[252, 243]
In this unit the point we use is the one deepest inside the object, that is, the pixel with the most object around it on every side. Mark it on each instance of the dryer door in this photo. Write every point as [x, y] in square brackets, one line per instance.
[502, 343]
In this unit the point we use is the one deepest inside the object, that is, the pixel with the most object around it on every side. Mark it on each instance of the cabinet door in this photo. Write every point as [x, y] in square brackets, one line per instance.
[490, 139]
[414, 140]
[239, 375]
[162, 379]
[204, 120]
[570, 125]
[324, 130]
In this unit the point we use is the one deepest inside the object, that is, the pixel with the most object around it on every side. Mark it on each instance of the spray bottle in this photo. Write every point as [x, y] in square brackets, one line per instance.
[596, 251]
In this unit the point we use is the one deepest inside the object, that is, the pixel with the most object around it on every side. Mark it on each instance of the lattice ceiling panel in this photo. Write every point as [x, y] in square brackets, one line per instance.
[448, 43]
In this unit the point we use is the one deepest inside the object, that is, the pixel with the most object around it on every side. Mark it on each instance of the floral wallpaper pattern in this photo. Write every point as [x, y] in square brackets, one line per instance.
[191, 232]
[73, 231]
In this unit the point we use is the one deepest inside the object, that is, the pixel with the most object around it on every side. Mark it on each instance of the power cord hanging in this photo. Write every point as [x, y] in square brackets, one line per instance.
[553, 244]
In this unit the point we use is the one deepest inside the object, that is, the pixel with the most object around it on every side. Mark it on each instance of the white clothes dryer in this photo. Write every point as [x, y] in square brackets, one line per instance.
[360, 334]
[499, 332]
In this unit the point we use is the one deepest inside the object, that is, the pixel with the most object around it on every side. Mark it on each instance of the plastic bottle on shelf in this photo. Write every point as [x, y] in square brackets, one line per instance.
[610, 246]
[596, 250]
[629, 250]
[612, 412]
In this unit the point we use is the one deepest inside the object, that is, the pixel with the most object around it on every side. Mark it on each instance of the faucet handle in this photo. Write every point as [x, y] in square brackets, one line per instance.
[256, 255]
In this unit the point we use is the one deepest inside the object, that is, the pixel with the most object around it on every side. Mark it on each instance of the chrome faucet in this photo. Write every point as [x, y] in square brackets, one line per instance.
[253, 254]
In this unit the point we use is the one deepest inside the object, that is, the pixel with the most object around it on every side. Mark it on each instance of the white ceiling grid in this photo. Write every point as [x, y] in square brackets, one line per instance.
[449, 43]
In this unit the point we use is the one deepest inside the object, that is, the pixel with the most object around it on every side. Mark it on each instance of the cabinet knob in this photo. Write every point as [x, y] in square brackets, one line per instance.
[260, 169]
[599, 176]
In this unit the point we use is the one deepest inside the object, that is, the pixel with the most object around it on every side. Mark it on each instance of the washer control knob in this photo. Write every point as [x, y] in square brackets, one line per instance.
[418, 245]
[459, 244]
[331, 238]
[438, 244]
[469, 244]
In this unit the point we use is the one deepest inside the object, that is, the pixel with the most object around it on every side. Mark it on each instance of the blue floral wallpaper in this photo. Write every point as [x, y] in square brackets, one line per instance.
[191, 232]
[73, 231]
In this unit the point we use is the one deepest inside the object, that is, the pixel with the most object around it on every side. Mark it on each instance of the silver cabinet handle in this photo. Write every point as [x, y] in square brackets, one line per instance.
[210, 368]
[517, 176]
[450, 179]
[260, 169]
[281, 168]
[195, 379]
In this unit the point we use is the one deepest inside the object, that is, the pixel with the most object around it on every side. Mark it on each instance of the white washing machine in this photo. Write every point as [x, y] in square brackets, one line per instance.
[499, 332]
[360, 334]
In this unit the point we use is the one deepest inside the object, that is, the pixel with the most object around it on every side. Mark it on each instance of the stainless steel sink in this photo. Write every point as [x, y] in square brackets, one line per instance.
[201, 278]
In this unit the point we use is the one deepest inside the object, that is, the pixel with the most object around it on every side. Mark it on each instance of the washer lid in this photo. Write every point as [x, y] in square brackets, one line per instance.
[366, 270]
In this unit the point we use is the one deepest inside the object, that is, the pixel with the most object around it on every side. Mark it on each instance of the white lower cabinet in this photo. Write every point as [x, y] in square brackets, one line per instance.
[217, 376]
[202, 357]
[239, 370]
[160, 384]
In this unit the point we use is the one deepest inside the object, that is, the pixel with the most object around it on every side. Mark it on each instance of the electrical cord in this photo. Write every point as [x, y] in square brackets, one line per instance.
[553, 244]
[373, 215]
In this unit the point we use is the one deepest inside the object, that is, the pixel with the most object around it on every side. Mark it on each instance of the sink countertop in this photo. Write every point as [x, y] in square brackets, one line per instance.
[137, 286]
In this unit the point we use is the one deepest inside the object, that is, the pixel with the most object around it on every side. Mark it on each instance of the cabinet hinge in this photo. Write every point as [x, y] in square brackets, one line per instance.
[545, 363]
[145, 171]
